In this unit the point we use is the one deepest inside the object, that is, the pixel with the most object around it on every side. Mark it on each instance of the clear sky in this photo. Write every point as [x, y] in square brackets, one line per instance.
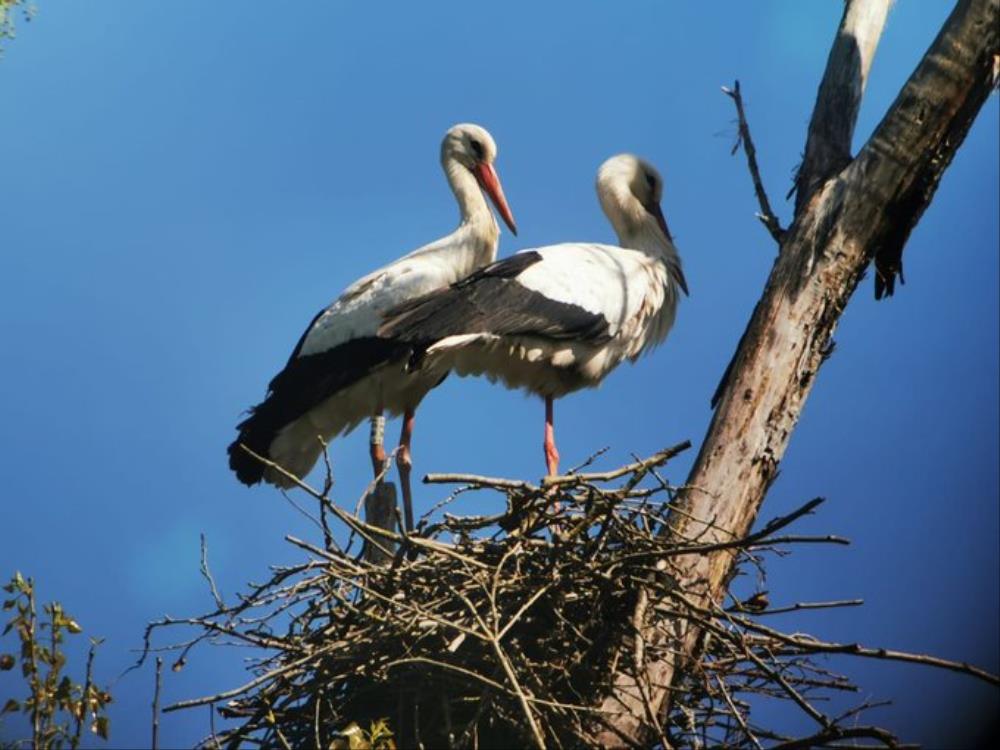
[183, 184]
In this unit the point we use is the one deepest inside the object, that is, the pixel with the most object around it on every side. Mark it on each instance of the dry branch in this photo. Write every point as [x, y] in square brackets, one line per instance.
[766, 215]
[838, 101]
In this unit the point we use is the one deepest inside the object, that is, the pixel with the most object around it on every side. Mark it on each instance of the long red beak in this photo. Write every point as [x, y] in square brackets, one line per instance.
[487, 178]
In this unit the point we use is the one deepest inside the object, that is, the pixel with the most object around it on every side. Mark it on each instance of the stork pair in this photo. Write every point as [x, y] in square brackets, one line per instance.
[550, 320]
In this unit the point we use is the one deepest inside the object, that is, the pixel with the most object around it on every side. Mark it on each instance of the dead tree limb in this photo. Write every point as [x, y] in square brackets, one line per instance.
[838, 101]
[766, 215]
[848, 213]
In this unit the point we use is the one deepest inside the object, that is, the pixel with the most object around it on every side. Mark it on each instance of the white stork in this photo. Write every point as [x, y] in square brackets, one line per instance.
[339, 372]
[556, 319]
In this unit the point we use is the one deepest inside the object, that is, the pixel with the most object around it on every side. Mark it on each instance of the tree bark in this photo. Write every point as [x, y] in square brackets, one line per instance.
[838, 101]
[849, 212]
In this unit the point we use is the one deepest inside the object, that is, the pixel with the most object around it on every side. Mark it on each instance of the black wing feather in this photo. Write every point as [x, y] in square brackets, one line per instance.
[492, 301]
[305, 383]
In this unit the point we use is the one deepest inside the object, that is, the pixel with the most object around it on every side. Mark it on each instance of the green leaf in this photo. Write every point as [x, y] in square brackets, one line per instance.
[73, 627]
[101, 727]
[10, 706]
[65, 689]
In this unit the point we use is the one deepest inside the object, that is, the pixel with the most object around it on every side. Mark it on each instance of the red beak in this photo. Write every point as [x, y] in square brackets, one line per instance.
[487, 178]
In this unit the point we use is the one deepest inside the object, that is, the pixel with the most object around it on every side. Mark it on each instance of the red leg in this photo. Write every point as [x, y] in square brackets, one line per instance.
[375, 448]
[404, 462]
[551, 454]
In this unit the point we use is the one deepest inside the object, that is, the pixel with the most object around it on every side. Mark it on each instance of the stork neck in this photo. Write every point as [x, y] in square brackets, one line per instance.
[646, 237]
[472, 203]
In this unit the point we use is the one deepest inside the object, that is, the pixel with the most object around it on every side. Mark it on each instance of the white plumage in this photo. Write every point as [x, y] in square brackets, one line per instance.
[558, 318]
[626, 288]
[355, 316]
[340, 373]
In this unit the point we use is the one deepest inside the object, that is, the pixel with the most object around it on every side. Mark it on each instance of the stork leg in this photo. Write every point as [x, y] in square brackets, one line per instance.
[376, 449]
[551, 454]
[404, 462]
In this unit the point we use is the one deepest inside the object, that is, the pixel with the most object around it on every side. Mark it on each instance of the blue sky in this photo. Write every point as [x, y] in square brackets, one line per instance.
[182, 185]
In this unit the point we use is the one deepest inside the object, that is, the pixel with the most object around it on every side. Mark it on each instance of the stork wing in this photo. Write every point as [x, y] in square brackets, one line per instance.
[498, 301]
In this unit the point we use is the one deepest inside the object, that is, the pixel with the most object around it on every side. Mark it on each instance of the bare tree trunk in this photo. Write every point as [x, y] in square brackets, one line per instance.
[848, 212]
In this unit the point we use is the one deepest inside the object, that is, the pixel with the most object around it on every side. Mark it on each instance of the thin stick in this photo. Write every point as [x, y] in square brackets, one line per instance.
[316, 737]
[285, 669]
[766, 215]
[856, 649]
[529, 714]
[88, 684]
[808, 605]
[211, 726]
[606, 476]
[822, 738]
[736, 713]
[156, 695]
[480, 481]
[207, 574]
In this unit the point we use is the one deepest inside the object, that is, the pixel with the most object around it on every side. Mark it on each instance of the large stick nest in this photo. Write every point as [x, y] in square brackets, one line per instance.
[504, 631]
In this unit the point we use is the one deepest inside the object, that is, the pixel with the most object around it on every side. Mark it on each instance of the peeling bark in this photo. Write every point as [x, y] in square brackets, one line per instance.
[838, 101]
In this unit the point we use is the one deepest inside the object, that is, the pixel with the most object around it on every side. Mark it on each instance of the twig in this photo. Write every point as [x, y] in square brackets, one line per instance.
[316, 738]
[829, 734]
[517, 615]
[529, 714]
[818, 716]
[225, 694]
[211, 726]
[606, 476]
[281, 738]
[809, 605]
[766, 215]
[736, 713]
[364, 530]
[856, 649]
[156, 700]
[207, 574]
[88, 684]
[589, 460]
[480, 481]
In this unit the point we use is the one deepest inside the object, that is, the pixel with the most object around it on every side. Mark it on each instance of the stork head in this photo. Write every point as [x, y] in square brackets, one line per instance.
[473, 148]
[630, 190]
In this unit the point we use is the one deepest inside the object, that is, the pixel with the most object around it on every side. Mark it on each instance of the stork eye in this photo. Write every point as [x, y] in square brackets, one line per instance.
[651, 181]
[477, 148]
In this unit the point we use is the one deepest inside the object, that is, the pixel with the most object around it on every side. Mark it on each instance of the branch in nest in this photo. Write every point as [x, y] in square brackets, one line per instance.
[507, 640]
